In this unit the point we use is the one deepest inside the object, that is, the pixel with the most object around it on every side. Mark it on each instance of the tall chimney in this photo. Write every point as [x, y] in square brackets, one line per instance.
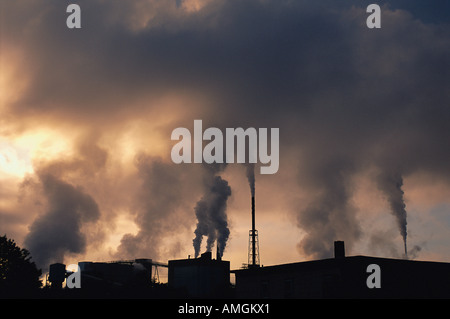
[339, 249]
[253, 246]
[218, 252]
[253, 232]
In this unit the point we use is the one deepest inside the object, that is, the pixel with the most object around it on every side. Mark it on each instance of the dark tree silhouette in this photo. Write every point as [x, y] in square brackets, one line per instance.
[19, 276]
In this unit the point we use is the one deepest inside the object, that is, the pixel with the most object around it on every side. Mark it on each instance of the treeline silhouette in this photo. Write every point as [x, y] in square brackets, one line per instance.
[21, 279]
[19, 276]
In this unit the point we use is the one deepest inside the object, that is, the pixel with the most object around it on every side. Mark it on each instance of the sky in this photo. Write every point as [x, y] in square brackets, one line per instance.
[86, 117]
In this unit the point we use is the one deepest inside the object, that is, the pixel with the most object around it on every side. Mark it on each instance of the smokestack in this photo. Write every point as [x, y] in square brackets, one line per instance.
[406, 250]
[253, 233]
[218, 257]
[253, 246]
[339, 249]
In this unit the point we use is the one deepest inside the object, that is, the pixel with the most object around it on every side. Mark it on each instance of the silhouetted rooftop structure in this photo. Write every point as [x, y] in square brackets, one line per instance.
[201, 277]
[345, 277]
[204, 277]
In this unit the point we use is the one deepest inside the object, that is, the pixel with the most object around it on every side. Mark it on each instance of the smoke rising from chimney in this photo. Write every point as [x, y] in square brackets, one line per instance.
[391, 185]
[329, 212]
[158, 198]
[211, 212]
[251, 177]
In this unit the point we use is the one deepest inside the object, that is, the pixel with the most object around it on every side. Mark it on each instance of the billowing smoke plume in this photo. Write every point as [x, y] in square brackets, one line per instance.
[391, 185]
[59, 230]
[156, 203]
[329, 215]
[211, 214]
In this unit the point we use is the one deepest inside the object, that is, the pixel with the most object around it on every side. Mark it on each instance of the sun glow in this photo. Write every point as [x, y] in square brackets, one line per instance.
[17, 154]
[14, 161]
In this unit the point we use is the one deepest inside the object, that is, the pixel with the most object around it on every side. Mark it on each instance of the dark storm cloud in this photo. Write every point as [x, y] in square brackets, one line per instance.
[345, 98]
[247, 47]
[272, 58]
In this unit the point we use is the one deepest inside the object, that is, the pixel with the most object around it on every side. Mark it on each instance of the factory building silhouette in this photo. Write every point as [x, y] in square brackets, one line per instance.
[345, 277]
[205, 277]
[201, 277]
